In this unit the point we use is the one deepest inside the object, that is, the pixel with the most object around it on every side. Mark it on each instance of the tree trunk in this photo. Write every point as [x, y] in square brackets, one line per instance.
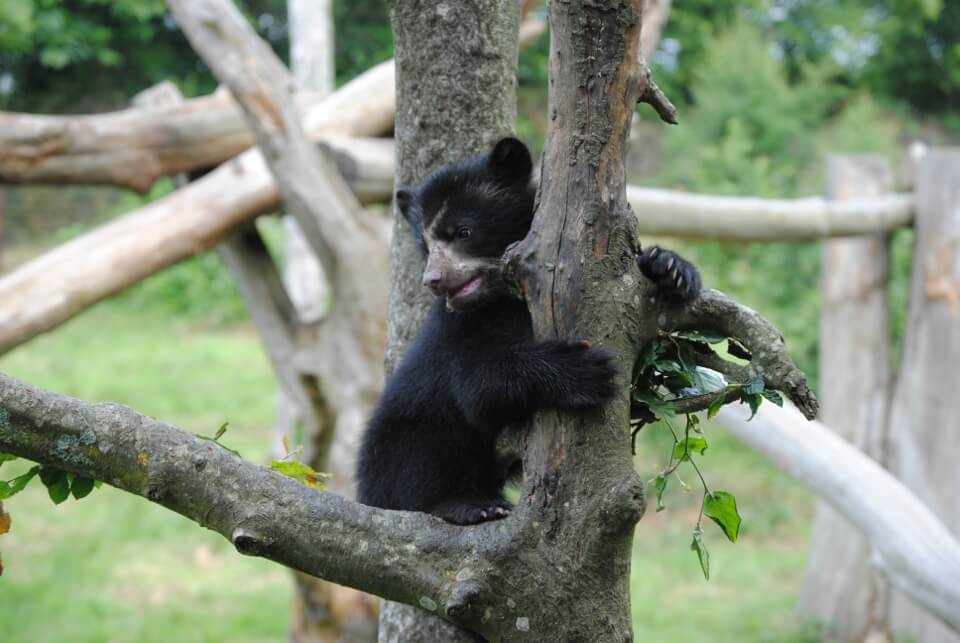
[456, 92]
[925, 404]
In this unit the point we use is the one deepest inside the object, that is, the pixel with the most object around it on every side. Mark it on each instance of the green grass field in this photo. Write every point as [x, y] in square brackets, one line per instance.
[115, 568]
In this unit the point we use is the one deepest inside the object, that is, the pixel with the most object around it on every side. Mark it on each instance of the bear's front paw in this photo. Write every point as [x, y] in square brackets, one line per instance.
[590, 374]
[674, 276]
[472, 512]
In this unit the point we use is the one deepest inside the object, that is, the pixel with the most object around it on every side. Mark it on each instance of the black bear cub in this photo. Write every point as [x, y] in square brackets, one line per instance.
[475, 367]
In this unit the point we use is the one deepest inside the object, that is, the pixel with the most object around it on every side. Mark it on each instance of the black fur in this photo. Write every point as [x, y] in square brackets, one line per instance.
[430, 445]
[676, 277]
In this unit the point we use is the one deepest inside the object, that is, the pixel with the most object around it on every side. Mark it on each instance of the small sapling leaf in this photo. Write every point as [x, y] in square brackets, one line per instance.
[721, 508]
[754, 386]
[301, 472]
[683, 449]
[702, 554]
[660, 485]
[221, 431]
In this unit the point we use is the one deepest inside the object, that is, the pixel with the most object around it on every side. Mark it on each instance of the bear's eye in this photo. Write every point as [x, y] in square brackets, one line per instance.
[463, 233]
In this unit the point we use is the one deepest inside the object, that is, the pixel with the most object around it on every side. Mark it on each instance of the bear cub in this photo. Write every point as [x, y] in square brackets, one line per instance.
[475, 366]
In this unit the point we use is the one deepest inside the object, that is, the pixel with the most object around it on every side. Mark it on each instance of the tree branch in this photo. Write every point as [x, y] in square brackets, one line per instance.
[399, 555]
[312, 190]
[714, 311]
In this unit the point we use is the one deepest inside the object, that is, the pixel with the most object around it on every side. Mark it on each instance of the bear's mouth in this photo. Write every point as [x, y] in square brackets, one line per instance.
[468, 288]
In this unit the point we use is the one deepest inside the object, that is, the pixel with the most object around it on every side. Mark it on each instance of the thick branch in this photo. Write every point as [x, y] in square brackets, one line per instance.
[716, 312]
[911, 546]
[312, 190]
[402, 556]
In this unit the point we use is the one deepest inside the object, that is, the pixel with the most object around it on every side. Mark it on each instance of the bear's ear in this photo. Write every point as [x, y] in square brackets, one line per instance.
[510, 158]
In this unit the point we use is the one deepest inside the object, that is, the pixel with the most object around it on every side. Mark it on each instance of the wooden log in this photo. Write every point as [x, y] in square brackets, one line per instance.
[840, 588]
[699, 216]
[912, 548]
[135, 147]
[925, 404]
[50, 289]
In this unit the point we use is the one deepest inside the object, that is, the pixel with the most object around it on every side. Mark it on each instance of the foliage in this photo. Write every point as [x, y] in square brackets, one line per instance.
[904, 50]
[667, 381]
[748, 132]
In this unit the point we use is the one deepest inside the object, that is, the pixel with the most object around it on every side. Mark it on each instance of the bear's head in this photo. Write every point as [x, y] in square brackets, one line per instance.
[464, 216]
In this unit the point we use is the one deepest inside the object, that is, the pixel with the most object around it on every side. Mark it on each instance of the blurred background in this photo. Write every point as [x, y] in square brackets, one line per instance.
[766, 90]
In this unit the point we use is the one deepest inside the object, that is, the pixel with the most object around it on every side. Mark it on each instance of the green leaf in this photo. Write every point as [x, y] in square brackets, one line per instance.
[754, 386]
[58, 486]
[301, 472]
[16, 485]
[702, 554]
[773, 396]
[754, 401]
[721, 508]
[708, 380]
[716, 405]
[699, 336]
[216, 439]
[658, 407]
[660, 485]
[688, 359]
[683, 449]
[81, 487]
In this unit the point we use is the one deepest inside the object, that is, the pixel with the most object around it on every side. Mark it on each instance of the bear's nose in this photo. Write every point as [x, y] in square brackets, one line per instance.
[432, 279]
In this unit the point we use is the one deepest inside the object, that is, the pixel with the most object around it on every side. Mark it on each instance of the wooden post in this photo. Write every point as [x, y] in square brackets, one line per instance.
[926, 403]
[855, 374]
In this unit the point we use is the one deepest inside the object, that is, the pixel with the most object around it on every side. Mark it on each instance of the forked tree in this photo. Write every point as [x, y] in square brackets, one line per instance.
[558, 568]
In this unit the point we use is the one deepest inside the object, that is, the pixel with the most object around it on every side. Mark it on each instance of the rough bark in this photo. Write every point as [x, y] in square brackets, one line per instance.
[404, 556]
[840, 588]
[910, 546]
[925, 403]
[456, 92]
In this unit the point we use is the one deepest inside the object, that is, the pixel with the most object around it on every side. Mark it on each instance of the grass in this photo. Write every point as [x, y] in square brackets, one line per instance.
[116, 568]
